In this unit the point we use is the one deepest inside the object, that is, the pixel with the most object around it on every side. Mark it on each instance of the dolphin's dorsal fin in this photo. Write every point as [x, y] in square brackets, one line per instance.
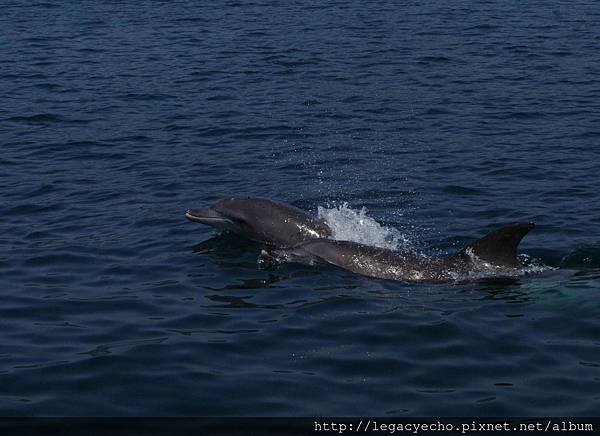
[500, 247]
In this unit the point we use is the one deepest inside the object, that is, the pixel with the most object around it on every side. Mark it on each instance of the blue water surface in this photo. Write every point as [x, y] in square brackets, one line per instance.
[445, 120]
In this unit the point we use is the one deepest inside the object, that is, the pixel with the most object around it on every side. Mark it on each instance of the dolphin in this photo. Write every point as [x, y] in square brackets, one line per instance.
[496, 252]
[292, 235]
[262, 220]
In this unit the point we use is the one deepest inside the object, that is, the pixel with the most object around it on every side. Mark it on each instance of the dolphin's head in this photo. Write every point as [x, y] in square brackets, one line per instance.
[261, 220]
[228, 214]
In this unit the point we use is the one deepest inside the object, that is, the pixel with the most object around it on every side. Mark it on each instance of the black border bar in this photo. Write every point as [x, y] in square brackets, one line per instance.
[314, 426]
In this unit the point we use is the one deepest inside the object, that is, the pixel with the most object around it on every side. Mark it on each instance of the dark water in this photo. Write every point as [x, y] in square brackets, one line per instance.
[444, 121]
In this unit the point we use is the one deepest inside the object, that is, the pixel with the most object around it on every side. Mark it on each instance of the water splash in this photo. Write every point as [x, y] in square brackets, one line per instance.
[348, 224]
[533, 265]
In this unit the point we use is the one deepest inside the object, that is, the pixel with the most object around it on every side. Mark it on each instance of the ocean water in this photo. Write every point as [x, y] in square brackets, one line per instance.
[419, 124]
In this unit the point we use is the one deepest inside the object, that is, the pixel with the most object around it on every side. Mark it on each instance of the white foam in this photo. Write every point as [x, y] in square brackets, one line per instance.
[351, 225]
[532, 265]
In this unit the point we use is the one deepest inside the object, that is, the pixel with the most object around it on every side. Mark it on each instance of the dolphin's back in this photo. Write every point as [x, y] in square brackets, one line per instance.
[373, 261]
[498, 249]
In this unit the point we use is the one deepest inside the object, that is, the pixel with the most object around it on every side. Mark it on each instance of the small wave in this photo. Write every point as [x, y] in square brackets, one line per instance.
[351, 225]
[38, 118]
[461, 190]
[584, 256]
[433, 59]
[46, 118]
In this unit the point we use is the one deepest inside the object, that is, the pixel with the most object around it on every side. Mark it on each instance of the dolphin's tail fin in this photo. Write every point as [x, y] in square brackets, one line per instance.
[500, 247]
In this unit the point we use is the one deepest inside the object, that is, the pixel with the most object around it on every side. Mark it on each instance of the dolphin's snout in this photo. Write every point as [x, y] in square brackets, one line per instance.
[209, 217]
[202, 215]
[189, 214]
